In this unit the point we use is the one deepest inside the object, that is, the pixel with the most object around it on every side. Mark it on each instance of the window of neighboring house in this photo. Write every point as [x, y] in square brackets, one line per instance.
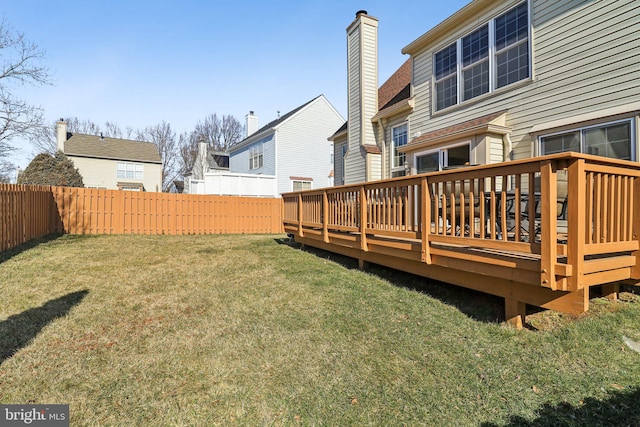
[256, 156]
[492, 56]
[399, 139]
[130, 186]
[130, 170]
[609, 140]
[344, 155]
[448, 157]
[301, 185]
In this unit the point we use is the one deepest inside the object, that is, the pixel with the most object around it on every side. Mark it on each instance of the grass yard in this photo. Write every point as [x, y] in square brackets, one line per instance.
[242, 330]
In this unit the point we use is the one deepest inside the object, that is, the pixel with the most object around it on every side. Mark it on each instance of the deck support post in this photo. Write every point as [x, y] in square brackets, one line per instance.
[635, 232]
[548, 212]
[325, 217]
[300, 233]
[363, 219]
[362, 264]
[611, 291]
[425, 225]
[515, 312]
[576, 227]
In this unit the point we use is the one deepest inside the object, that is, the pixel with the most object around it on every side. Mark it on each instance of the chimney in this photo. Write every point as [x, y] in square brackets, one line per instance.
[204, 165]
[252, 123]
[61, 134]
[362, 93]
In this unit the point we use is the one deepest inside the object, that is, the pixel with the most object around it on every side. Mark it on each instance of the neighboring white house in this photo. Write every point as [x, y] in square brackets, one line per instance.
[112, 163]
[289, 153]
[497, 80]
[210, 175]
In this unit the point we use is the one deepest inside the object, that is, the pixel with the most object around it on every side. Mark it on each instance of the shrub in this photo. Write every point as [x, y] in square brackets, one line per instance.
[46, 169]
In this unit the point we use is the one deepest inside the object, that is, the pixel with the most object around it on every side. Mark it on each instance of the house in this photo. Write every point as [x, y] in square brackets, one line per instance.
[112, 163]
[293, 148]
[496, 81]
[211, 175]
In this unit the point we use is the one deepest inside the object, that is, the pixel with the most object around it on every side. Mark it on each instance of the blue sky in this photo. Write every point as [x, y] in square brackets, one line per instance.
[137, 63]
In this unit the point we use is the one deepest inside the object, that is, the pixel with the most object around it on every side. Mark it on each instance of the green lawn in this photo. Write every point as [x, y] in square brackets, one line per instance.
[244, 330]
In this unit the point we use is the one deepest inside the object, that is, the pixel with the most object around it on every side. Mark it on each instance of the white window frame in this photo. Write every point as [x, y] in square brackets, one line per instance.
[492, 58]
[443, 155]
[302, 183]
[256, 156]
[394, 149]
[581, 131]
[129, 170]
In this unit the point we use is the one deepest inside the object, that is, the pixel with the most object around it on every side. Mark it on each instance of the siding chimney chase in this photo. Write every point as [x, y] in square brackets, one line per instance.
[252, 123]
[61, 134]
[362, 91]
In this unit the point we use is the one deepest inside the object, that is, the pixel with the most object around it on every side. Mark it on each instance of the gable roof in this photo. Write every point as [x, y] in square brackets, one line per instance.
[395, 90]
[266, 129]
[397, 87]
[81, 145]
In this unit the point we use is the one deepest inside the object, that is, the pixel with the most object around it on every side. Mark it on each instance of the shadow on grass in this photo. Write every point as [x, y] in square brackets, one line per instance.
[10, 253]
[18, 330]
[477, 305]
[621, 409]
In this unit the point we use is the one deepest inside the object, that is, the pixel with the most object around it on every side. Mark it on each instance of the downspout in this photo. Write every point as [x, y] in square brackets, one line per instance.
[507, 147]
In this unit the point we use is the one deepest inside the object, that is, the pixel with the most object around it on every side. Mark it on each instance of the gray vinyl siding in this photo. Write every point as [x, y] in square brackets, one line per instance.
[388, 141]
[586, 58]
[239, 160]
[308, 128]
[338, 178]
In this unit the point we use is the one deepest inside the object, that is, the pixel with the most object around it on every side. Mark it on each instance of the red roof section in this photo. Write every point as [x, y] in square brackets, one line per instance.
[459, 127]
[394, 85]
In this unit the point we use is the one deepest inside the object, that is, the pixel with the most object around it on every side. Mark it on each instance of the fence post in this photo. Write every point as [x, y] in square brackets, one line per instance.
[548, 212]
[576, 226]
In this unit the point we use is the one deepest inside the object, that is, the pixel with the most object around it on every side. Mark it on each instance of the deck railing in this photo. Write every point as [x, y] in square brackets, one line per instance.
[570, 220]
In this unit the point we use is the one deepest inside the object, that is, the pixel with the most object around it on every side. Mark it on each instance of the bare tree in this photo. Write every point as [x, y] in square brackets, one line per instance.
[232, 131]
[7, 170]
[165, 139]
[187, 151]
[219, 134]
[19, 65]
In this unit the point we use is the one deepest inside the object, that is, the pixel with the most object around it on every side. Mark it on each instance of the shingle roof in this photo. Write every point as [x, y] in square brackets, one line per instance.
[458, 128]
[396, 88]
[111, 148]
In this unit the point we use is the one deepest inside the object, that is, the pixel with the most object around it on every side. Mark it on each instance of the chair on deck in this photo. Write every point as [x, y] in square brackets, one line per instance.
[562, 191]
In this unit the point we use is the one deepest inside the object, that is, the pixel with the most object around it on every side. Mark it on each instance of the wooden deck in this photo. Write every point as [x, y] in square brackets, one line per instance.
[540, 231]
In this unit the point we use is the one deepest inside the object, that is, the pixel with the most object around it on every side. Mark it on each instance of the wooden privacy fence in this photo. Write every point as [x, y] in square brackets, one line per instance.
[28, 212]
